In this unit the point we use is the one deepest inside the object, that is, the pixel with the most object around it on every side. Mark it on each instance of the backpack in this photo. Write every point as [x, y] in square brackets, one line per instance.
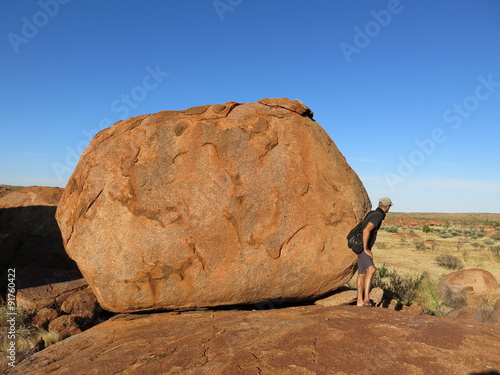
[355, 236]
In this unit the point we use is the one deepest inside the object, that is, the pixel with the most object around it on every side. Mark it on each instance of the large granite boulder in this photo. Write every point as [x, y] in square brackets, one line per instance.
[214, 205]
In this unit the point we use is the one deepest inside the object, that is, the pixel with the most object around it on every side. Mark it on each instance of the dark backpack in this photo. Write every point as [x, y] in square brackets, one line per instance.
[355, 236]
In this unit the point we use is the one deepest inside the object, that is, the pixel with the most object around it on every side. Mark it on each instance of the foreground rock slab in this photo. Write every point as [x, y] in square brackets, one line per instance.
[215, 205]
[297, 340]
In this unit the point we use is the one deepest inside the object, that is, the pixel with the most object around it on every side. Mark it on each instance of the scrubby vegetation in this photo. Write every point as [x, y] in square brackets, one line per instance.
[410, 288]
[449, 261]
[495, 250]
[393, 229]
[403, 288]
[27, 338]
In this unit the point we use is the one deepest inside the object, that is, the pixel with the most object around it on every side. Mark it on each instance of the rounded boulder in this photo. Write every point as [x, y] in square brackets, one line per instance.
[214, 205]
[476, 281]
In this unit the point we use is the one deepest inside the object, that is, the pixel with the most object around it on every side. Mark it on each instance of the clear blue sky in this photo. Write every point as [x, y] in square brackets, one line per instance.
[408, 90]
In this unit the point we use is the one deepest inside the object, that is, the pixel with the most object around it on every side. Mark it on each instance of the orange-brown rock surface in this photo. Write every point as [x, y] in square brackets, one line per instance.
[219, 204]
[299, 340]
[473, 280]
[32, 196]
[474, 294]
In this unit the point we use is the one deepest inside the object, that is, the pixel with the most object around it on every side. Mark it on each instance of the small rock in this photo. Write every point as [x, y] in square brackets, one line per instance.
[414, 309]
[82, 303]
[44, 317]
[36, 298]
[377, 296]
[66, 325]
[338, 298]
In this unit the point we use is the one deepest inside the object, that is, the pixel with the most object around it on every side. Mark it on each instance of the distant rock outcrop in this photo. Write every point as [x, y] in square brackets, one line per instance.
[219, 204]
[29, 235]
[296, 340]
[6, 189]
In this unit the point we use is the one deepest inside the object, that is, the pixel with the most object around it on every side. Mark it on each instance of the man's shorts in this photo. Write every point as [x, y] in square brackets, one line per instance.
[364, 261]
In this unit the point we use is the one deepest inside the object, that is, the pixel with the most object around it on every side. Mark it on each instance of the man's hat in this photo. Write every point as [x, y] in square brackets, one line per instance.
[385, 202]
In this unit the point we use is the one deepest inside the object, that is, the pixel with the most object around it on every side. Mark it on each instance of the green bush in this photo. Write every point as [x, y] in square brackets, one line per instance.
[449, 261]
[495, 250]
[488, 241]
[459, 244]
[410, 288]
[445, 235]
[392, 229]
[495, 237]
[428, 297]
[477, 245]
[403, 288]
[420, 245]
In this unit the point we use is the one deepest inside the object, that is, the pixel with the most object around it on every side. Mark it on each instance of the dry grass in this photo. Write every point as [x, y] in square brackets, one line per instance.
[28, 339]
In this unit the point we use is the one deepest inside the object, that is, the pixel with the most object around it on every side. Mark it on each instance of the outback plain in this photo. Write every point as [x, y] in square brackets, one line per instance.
[438, 243]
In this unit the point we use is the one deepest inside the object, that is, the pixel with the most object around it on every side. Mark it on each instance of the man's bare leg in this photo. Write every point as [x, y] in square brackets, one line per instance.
[368, 279]
[360, 285]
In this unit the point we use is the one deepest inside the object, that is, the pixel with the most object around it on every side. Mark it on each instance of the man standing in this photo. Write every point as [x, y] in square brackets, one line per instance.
[366, 267]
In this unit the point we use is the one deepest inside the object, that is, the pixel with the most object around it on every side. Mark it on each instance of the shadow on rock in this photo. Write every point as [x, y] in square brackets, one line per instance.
[31, 244]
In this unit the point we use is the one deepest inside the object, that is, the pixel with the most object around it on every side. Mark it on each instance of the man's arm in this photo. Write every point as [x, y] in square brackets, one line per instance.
[366, 237]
